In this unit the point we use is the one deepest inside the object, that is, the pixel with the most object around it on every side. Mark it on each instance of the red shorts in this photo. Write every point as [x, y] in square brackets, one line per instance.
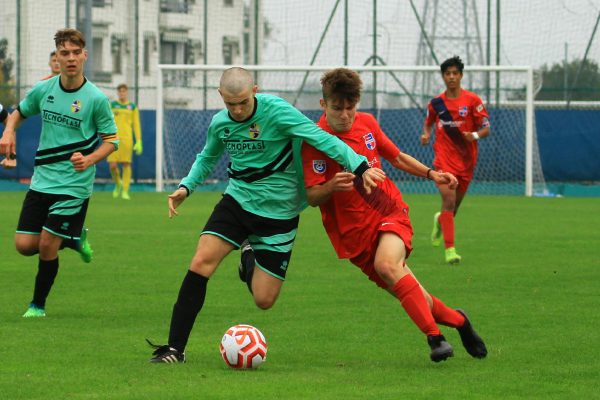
[464, 179]
[398, 224]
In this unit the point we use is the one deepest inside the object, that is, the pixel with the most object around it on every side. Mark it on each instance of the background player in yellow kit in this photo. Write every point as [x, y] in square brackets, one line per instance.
[127, 118]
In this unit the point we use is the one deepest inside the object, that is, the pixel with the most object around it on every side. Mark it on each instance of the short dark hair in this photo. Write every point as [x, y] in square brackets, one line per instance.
[341, 84]
[453, 62]
[69, 35]
[52, 53]
[122, 86]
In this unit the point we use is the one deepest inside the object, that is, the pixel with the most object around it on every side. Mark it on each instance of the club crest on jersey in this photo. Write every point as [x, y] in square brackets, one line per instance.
[369, 141]
[226, 133]
[463, 111]
[254, 131]
[76, 106]
[319, 166]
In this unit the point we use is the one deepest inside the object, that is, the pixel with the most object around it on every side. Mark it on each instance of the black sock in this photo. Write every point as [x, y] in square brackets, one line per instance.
[44, 280]
[188, 305]
[249, 260]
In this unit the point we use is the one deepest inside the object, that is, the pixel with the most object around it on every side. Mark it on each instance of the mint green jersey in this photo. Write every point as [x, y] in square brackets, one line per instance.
[264, 179]
[72, 121]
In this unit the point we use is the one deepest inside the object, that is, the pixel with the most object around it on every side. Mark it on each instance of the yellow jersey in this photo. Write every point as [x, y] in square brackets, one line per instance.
[127, 118]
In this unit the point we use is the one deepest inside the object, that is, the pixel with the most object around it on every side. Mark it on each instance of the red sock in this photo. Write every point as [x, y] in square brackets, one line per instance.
[447, 223]
[445, 315]
[413, 301]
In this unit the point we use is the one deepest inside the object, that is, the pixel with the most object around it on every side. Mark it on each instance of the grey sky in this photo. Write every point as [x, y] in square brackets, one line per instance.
[533, 32]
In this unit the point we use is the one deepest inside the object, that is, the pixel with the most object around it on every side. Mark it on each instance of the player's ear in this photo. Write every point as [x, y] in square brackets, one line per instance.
[322, 104]
[254, 89]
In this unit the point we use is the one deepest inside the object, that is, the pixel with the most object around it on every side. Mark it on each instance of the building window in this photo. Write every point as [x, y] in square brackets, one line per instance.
[146, 56]
[149, 49]
[100, 74]
[97, 60]
[175, 48]
[173, 53]
[228, 3]
[231, 49]
[117, 47]
[102, 3]
[175, 6]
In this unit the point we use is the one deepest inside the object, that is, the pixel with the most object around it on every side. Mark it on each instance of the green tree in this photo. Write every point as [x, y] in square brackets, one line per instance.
[7, 92]
[587, 86]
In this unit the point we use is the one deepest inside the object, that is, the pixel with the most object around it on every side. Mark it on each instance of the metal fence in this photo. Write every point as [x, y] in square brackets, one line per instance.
[127, 39]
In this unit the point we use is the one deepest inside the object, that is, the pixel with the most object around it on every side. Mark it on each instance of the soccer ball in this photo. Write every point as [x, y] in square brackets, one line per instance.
[243, 346]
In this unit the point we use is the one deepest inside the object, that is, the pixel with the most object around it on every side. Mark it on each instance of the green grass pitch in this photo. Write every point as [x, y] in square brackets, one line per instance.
[530, 280]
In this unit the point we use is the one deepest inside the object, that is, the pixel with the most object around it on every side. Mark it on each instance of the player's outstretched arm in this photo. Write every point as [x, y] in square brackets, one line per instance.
[443, 178]
[175, 199]
[414, 167]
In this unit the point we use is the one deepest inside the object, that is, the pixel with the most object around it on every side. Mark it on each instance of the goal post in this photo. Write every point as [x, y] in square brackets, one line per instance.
[509, 161]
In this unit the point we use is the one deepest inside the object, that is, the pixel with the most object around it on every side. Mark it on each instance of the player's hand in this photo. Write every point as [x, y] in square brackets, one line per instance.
[80, 162]
[175, 199]
[9, 163]
[444, 178]
[8, 144]
[341, 182]
[425, 139]
[470, 136]
[137, 147]
[371, 177]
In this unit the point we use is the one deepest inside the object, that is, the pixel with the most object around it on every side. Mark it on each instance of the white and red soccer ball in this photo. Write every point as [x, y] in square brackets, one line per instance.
[243, 346]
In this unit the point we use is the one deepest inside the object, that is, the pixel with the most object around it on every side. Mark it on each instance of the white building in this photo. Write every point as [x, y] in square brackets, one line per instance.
[129, 38]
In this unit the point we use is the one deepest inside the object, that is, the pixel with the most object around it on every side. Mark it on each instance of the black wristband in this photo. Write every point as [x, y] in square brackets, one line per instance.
[3, 114]
[360, 170]
[186, 189]
[428, 172]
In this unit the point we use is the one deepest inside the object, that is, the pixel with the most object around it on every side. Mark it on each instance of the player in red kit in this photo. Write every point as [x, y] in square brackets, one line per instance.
[373, 230]
[460, 120]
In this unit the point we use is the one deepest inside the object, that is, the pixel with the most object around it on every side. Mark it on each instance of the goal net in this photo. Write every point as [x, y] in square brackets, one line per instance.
[508, 163]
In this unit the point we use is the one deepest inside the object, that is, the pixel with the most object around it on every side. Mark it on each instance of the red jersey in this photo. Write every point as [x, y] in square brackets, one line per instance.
[350, 218]
[452, 118]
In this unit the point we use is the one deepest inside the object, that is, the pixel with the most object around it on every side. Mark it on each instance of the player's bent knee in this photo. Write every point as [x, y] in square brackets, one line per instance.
[26, 251]
[385, 269]
[264, 299]
[202, 267]
[390, 272]
[264, 303]
[26, 246]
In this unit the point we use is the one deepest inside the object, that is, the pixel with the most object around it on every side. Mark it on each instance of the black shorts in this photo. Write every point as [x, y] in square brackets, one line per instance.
[271, 239]
[60, 214]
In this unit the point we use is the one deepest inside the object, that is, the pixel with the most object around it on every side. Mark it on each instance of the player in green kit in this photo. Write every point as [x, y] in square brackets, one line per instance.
[78, 131]
[261, 203]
